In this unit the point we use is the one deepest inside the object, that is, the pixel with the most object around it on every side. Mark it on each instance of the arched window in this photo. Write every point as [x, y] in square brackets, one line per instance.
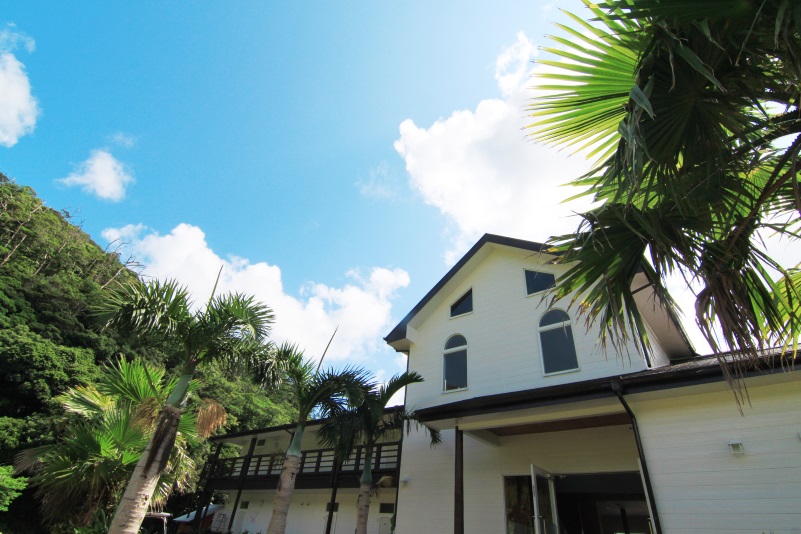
[454, 363]
[556, 341]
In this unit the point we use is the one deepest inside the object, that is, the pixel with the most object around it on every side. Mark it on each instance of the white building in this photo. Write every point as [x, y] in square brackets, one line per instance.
[613, 442]
[544, 430]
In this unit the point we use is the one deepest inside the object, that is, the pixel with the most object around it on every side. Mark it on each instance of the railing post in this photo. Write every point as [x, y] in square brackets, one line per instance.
[378, 449]
[357, 465]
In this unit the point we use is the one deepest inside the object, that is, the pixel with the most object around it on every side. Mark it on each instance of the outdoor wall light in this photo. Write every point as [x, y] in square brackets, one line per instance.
[736, 448]
[404, 481]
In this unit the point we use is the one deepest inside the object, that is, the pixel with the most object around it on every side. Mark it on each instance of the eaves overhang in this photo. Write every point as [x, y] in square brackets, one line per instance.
[290, 427]
[690, 373]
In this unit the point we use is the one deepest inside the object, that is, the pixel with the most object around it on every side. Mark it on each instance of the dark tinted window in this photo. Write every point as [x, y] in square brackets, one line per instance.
[455, 341]
[558, 351]
[454, 364]
[554, 317]
[463, 305]
[556, 341]
[455, 373]
[537, 281]
[386, 508]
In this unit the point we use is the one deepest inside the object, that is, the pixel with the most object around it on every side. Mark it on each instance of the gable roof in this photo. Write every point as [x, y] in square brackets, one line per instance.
[399, 332]
[680, 343]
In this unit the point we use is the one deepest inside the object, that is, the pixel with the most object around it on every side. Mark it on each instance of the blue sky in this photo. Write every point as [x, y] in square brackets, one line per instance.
[335, 157]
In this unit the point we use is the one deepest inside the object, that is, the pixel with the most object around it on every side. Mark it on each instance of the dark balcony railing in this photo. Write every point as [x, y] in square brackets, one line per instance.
[312, 462]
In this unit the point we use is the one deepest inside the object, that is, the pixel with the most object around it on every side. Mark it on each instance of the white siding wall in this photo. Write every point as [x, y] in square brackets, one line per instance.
[503, 351]
[425, 503]
[700, 486]
[307, 513]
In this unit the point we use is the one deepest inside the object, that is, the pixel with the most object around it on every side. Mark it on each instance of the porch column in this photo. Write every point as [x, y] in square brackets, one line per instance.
[458, 490]
[242, 475]
[335, 485]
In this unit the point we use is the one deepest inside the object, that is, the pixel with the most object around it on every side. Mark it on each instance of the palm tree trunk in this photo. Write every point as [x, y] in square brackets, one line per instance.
[283, 495]
[365, 489]
[363, 508]
[133, 506]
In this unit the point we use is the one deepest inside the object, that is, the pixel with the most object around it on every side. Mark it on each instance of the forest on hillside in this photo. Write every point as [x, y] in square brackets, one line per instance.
[52, 277]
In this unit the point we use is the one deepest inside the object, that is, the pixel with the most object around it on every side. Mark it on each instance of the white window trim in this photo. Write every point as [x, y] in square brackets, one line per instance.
[452, 350]
[465, 292]
[562, 324]
[525, 286]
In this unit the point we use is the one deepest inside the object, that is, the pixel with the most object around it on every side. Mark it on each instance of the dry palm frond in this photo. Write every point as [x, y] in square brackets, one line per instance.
[210, 416]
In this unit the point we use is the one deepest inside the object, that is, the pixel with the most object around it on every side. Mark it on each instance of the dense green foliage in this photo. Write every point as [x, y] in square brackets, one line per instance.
[10, 486]
[692, 109]
[51, 277]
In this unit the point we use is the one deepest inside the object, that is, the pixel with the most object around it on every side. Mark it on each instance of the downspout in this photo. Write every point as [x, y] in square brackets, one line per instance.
[617, 388]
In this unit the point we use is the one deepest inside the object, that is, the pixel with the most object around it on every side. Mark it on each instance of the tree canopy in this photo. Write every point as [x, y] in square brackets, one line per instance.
[51, 276]
[691, 111]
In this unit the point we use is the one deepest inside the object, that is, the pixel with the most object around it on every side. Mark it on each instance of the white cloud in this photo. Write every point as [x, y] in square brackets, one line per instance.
[361, 309]
[380, 184]
[480, 171]
[18, 107]
[122, 139]
[102, 175]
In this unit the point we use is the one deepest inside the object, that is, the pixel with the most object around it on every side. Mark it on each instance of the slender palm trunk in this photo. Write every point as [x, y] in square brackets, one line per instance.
[136, 499]
[133, 506]
[286, 485]
[365, 491]
[283, 495]
[363, 508]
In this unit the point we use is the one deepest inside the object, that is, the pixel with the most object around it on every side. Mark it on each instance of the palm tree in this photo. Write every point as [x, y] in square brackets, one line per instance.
[683, 103]
[82, 475]
[366, 425]
[231, 325]
[318, 393]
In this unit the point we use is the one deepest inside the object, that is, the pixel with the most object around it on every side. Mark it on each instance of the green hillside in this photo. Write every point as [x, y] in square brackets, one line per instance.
[51, 275]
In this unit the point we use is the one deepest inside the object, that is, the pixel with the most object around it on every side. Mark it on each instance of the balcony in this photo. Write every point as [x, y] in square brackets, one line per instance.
[318, 468]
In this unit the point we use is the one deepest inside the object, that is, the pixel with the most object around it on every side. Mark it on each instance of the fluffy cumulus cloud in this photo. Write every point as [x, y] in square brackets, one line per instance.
[478, 168]
[18, 107]
[101, 175]
[360, 309]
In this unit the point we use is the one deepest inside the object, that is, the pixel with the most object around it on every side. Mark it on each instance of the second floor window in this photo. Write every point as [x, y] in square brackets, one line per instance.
[556, 342]
[463, 305]
[454, 364]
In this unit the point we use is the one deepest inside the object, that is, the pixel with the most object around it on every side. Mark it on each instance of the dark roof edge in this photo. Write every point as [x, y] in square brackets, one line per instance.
[287, 427]
[668, 377]
[399, 332]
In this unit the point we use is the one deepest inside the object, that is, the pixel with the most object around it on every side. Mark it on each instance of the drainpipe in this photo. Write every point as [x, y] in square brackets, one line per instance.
[617, 388]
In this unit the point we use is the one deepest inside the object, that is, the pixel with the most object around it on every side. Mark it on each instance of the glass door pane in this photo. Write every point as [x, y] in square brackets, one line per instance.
[519, 505]
[546, 517]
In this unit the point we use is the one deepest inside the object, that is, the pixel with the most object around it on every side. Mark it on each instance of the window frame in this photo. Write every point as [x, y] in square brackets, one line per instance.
[451, 351]
[525, 283]
[463, 295]
[562, 324]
